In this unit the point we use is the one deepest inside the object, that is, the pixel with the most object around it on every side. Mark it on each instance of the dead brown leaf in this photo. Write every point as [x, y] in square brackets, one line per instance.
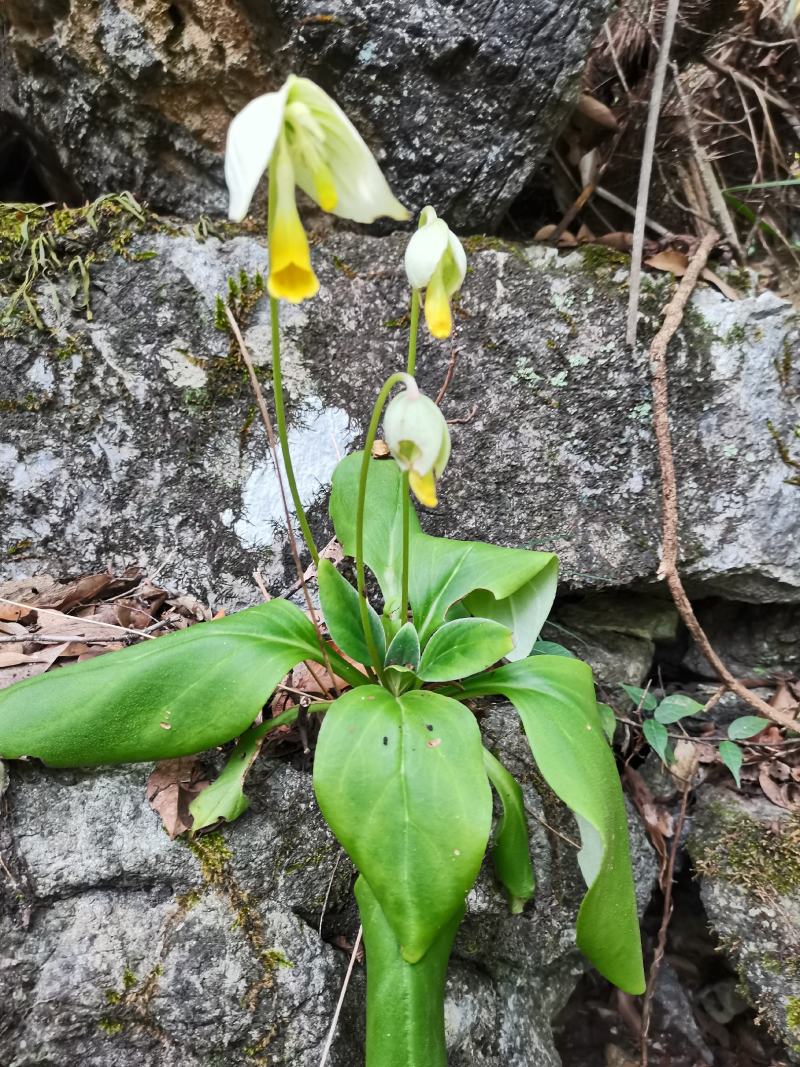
[16, 613]
[380, 450]
[566, 240]
[674, 262]
[657, 819]
[686, 761]
[619, 240]
[172, 787]
[779, 785]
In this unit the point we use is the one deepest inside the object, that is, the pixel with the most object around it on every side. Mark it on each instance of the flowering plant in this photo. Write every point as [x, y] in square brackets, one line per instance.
[400, 773]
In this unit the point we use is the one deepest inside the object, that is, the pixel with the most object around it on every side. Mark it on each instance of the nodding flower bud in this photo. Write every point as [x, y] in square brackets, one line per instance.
[417, 435]
[435, 261]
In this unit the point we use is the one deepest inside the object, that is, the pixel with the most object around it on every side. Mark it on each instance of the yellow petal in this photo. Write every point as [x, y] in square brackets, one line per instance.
[291, 276]
[424, 488]
[437, 307]
[325, 188]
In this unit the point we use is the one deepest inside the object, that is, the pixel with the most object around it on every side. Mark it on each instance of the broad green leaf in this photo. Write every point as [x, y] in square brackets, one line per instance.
[511, 854]
[404, 648]
[340, 607]
[224, 798]
[405, 1001]
[731, 756]
[657, 737]
[746, 726]
[169, 697]
[641, 697]
[551, 648]
[609, 721]
[464, 647]
[556, 702]
[676, 707]
[400, 781]
[512, 586]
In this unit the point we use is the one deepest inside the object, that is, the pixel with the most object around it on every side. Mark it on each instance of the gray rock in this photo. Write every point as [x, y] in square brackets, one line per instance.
[132, 438]
[144, 951]
[753, 640]
[462, 103]
[745, 851]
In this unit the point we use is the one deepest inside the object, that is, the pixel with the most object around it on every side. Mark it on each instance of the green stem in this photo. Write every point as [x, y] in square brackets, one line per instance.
[405, 1001]
[372, 433]
[412, 334]
[280, 418]
[277, 387]
[406, 539]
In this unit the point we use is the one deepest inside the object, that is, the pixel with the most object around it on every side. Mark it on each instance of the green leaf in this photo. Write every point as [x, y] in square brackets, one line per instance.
[511, 849]
[657, 737]
[340, 608]
[746, 726]
[224, 798]
[509, 585]
[731, 756]
[404, 649]
[555, 700]
[641, 697]
[551, 648]
[464, 647]
[609, 721]
[400, 781]
[676, 707]
[168, 697]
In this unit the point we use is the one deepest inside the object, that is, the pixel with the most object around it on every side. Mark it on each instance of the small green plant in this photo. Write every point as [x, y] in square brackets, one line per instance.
[400, 771]
[658, 714]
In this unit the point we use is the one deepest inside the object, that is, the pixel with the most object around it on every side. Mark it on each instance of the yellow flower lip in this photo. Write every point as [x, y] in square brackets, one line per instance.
[424, 488]
[292, 283]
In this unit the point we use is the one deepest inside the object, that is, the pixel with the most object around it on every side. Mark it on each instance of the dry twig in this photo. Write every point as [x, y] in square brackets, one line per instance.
[667, 876]
[648, 149]
[335, 1020]
[668, 568]
[273, 447]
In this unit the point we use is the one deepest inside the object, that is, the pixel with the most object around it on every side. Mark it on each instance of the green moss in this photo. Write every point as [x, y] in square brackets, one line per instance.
[213, 854]
[484, 242]
[599, 260]
[128, 979]
[274, 958]
[793, 1014]
[736, 335]
[110, 1026]
[19, 547]
[190, 900]
[762, 860]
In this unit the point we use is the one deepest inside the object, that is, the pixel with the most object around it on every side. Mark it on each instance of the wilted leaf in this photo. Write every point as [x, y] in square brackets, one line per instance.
[657, 819]
[380, 450]
[16, 613]
[686, 758]
[172, 787]
[619, 240]
[597, 112]
[778, 784]
[566, 240]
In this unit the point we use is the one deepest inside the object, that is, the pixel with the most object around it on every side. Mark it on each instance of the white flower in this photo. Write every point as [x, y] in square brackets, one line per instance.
[436, 262]
[417, 435]
[303, 138]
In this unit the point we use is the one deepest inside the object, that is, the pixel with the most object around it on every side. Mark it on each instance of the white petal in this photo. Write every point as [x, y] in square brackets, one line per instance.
[251, 139]
[363, 194]
[459, 258]
[423, 252]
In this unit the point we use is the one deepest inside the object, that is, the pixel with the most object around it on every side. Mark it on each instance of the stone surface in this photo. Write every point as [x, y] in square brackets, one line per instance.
[462, 101]
[746, 851]
[141, 951]
[753, 641]
[132, 437]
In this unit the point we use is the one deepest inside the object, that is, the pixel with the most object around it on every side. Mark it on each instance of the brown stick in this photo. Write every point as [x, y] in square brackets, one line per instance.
[668, 568]
[255, 385]
[648, 151]
[667, 876]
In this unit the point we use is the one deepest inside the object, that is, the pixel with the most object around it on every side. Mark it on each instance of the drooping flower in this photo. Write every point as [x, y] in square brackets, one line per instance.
[417, 435]
[437, 263]
[302, 138]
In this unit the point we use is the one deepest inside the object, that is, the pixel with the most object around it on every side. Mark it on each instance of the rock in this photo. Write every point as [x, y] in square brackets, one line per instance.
[751, 639]
[133, 438]
[616, 633]
[141, 951]
[745, 851]
[462, 103]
